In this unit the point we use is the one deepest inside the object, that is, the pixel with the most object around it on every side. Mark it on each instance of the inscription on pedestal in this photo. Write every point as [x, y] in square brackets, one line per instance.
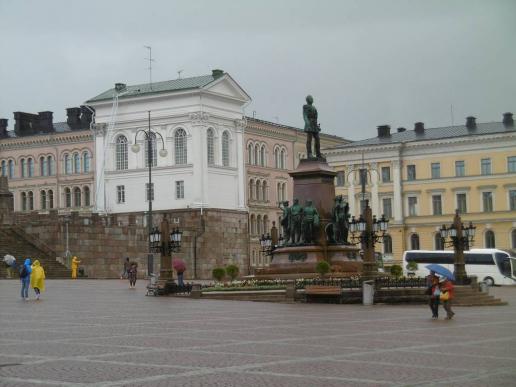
[297, 257]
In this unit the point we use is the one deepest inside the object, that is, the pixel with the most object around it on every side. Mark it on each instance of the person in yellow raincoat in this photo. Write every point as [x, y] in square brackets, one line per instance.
[37, 278]
[75, 266]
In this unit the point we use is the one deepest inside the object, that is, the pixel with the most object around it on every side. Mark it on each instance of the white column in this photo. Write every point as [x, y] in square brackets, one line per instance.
[398, 203]
[374, 189]
[240, 164]
[194, 141]
[351, 189]
[100, 190]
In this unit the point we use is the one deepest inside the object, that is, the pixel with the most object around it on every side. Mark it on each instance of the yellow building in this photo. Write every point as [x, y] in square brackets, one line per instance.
[417, 178]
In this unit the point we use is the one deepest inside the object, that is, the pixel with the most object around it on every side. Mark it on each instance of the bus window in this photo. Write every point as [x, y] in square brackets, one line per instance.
[513, 263]
[503, 262]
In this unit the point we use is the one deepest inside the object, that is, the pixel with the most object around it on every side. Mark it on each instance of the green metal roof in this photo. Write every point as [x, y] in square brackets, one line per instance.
[155, 88]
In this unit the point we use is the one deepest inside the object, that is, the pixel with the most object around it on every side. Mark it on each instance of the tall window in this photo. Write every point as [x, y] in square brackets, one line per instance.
[24, 201]
[225, 149]
[68, 197]
[436, 170]
[485, 166]
[43, 200]
[11, 168]
[76, 163]
[263, 161]
[149, 191]
[23, 168]
[250, 154]
[253, 224]
[264, 191]
[277, 158]
[180, 147]
[387, 244]
[341, 178]
[461, 203]
[120, 194]
[386, 174]
[153, 155]
[387, 207]
[487, 201]
[512, 200]
[256, 154]
[51, 166]
[259, 224]
[460, 169]
[258, 194]
[412, 205]
[67, 164]
[438, 242]
[43, 166]
[4, 168]
[77, 197]
[437, 206]
[210, 143]
[86, 162]
[251, 189]
[490, 239]
[30, 162]
[283, 159]
[87, 197]
[180, 189]
[511, 164]
[121, 153]
[411, 172]
[30, 198]
[50, 195]
[414, 242]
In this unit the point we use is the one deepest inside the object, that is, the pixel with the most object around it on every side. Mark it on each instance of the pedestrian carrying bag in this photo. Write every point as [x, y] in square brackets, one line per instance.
[23, 272]
[445, 296]
[437, 292]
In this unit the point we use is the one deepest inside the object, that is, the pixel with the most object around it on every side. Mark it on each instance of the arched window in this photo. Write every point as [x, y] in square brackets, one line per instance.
[121, 153]
[264, 191]
[490, 239]
[283, 159]
[51, 166]
[180, 147]
[414, 242]
[277, 158]
[4, 168]
[210, 137]
[76, 197]
[50, 195]
[438, 242]
[87, 197]
[23, 201]
[256, 154]
[253, 259]
[513, 238]
[154, 158]
[43, 200]
[284, 191]
[278, 192]
[250, 153]
[11, 169]
[43, 166]
[387, 244]
[76, 163]
[67, 164]
[259, 225]
[263, 161]
[86, 161]
[23, 168]
[225, 149]
[265, 224]
[68, 197]
[251, 189]
[30, 198]
[30, 162]
[258, 190]
[253, 224]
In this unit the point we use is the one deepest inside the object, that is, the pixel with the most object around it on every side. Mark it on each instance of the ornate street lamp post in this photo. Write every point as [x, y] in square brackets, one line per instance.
[461, 238]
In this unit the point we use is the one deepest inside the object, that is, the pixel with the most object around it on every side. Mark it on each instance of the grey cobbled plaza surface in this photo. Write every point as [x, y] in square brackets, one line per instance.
[101, 333]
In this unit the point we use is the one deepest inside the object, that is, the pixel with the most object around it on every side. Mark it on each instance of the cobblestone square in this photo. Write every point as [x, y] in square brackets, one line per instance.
[101, 333]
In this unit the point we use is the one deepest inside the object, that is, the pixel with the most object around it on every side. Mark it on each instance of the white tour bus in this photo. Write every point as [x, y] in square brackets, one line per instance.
[495, 267]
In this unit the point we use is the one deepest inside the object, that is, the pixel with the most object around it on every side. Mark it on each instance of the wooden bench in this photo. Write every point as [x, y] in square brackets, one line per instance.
[320, 293]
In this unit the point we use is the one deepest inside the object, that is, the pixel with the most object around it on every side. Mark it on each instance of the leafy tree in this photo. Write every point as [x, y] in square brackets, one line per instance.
[396, 271]
[218, 273]
[322, 268]
[232, 271]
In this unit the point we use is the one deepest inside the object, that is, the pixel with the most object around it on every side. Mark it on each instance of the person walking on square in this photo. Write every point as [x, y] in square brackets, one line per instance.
[132, 274]
[37, 278]
[125, 273]
[25, 271]
[75, 267]
[432, 283]
[447, 295]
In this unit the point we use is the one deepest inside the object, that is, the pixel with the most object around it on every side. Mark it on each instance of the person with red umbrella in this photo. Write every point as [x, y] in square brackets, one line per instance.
[180, 267]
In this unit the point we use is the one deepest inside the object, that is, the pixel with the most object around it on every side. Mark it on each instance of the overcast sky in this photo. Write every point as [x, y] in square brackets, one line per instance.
[366, 63]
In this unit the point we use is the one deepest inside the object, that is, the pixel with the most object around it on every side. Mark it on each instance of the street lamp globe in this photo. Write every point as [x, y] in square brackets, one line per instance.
[135, 148]
[163, 152]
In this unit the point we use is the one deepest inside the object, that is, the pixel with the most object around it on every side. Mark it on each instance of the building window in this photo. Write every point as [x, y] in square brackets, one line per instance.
[256, 154]
[51, 166]
[264, 191]
[76, 163]
[4, 168]
[86, 162]
[487, 201]
[180, 147]
[283, 159]
[253, 224]
[225, 149]
[386, 174]
[512, 200]
[259, 225]
[276, 158]
[50, 195]
[411, 172]
[23, 201]
[67, 164]
[121, 153]
[11, 169]
[412, 205]
[31, 166]
[23, 168]
[511, 164]
[485, 166]
[436, 170]
[120, 194]
[513, 238]
[387, 207]
[68, 198]
[180, 189]
[258, 195]
[87, 197]
[250, 154]
[387, 244]
[263, 160]
[460, 169]
[30, 198]
[43, 200]
[437, 206]
[153, 155]
[43, 166]
[149, 191]
[438, 242]
[414, 242]
[210, 143]
[76, 197]
[340, 178]
[461, 203]
[489, 239]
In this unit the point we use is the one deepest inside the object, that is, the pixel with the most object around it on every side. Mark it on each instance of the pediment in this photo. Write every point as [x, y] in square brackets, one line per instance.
[226, 86]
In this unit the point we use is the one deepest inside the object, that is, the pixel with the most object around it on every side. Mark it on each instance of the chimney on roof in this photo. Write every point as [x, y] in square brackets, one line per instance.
[419, 128]
[3, 127]
[86, 117]
[119, 87]
[26, 124]
[384, 131]
[74, 119]
[471, 122]
[216, 73]
[401, 130]
[46, 122]
[508, 121]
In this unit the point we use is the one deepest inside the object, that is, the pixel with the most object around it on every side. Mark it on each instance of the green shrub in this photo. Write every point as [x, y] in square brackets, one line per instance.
[218, 273]
[232, 271]
[322, 268]
[396, 271]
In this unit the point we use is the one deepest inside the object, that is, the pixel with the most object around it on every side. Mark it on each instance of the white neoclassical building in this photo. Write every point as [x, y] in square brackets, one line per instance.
[199, 121]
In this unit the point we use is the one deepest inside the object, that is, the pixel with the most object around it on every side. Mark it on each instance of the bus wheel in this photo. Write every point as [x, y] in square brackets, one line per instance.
[489, 281]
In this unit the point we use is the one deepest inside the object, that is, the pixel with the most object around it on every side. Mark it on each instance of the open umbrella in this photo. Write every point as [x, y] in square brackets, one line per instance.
[9, 259]
[441, 270]
[178, 265]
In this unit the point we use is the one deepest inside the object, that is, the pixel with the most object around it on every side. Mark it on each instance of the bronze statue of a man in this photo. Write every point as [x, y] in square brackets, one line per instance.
[294, 223]
[341, 220]
[312, 128]
[285, 219]
[310, 222]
